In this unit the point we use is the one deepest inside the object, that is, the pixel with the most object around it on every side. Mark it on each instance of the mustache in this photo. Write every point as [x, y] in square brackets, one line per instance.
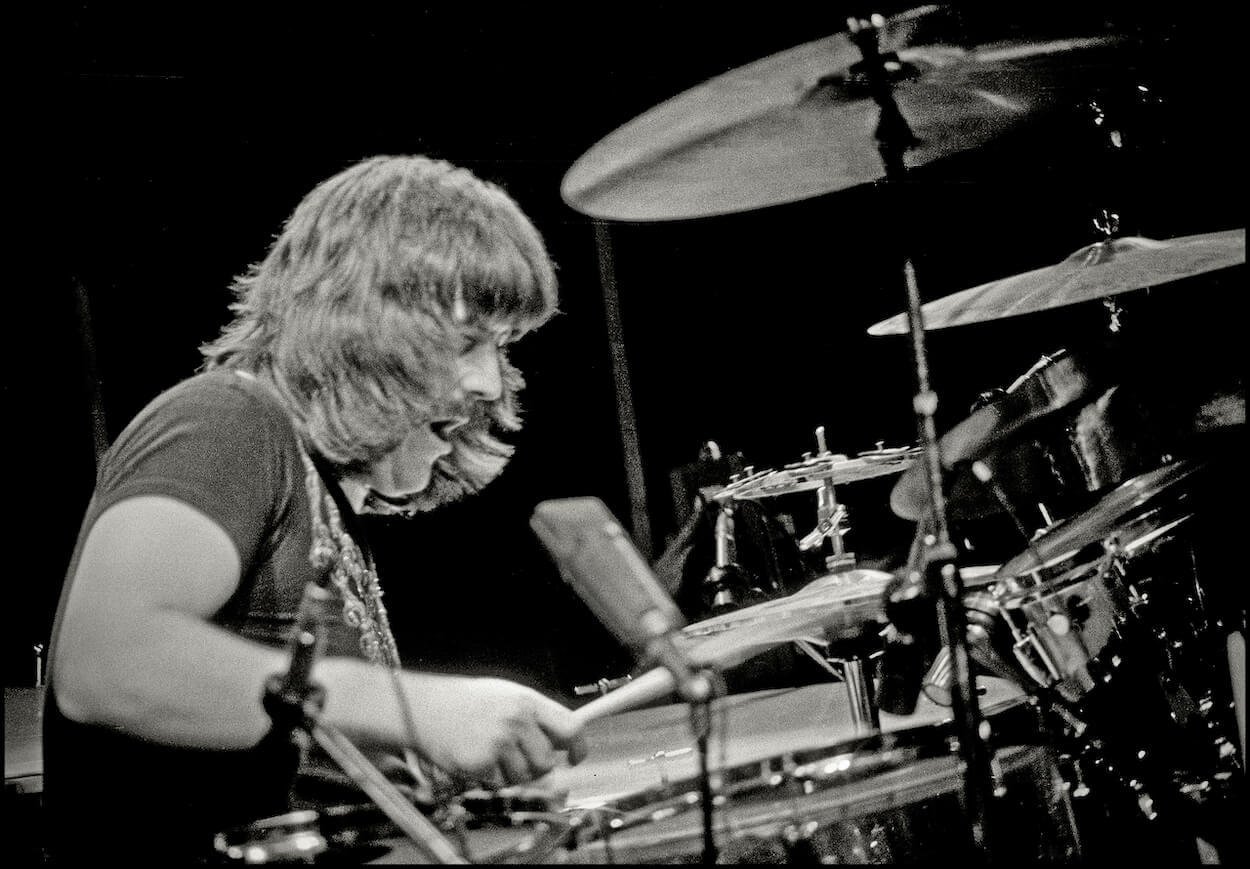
[475, 414]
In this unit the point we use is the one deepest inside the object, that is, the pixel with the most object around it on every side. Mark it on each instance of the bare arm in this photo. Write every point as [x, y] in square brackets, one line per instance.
[136, 651]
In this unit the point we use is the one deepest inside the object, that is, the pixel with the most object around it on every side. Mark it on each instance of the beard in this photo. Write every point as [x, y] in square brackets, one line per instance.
[477, 457]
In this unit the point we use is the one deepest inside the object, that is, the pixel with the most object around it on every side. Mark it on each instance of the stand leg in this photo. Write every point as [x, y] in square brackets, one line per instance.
[1236, 644]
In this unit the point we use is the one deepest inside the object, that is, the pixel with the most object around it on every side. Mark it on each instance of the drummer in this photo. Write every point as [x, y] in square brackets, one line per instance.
[365, 372]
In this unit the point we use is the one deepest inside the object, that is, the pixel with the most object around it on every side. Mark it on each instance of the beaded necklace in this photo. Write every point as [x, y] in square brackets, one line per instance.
[351, 573]
[357, 582]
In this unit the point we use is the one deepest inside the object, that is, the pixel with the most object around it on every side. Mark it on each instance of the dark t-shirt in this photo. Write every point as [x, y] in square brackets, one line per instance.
[221, 443]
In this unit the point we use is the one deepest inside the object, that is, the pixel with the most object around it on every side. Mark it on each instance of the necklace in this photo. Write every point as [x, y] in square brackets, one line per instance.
[333, 548]
[357, 582]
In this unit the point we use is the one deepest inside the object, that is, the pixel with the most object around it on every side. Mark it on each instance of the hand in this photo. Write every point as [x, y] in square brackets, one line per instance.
[491, 731]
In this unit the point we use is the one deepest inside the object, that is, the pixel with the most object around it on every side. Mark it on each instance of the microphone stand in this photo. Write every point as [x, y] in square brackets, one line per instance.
[699, 686]
[942, 583]
[295, 703]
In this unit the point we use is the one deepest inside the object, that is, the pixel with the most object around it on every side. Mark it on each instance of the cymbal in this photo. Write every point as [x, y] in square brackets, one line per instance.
[802, 122]
[836, 606]
[811, 473]
[1100, 521]
[1096, 271]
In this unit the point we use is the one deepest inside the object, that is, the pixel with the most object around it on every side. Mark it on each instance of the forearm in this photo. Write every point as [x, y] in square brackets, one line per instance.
[175, 679]
[178, 680]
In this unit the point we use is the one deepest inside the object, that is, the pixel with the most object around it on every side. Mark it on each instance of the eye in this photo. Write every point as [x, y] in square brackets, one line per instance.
[500, 337]
[474, 340]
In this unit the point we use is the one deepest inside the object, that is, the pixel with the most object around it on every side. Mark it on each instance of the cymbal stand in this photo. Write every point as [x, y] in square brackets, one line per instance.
[941, 582]
[830, 515]
[726, 582]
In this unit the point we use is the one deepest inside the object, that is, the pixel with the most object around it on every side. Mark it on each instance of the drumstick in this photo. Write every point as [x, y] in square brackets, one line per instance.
[651, 685]
[719, 650]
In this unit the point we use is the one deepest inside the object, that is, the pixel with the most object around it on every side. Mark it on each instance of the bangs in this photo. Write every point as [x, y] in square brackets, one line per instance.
[506, 288]
[485, 264]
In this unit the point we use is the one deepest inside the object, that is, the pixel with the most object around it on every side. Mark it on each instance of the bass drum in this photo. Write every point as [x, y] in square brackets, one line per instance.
[792, 783]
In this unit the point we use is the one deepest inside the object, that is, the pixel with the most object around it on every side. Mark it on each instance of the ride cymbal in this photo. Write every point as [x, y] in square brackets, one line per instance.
[803, 122]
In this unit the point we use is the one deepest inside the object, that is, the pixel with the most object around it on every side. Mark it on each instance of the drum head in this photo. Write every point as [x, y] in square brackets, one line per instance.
[649, 748]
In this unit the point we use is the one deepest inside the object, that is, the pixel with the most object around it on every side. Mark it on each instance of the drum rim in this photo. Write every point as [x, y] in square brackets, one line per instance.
[1069, 569]
[905, 750]
[940, 775]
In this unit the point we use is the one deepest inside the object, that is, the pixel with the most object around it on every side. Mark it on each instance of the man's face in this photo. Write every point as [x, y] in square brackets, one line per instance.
[400, 479]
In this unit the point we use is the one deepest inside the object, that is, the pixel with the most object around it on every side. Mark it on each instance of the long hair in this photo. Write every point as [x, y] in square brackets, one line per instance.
[359, 310]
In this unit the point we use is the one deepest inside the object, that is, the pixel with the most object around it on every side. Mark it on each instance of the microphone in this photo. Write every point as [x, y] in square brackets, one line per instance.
[902, 672]
[910, 641]
[596, 557]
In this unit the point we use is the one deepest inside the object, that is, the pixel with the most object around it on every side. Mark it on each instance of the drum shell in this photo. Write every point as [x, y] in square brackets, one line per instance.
[1075, 621]
[1073, 625]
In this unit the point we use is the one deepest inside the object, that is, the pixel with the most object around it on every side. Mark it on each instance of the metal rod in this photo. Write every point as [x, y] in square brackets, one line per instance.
[864, 715]
[640, 517]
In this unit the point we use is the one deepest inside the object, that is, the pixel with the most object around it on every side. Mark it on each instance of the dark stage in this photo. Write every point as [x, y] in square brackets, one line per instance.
[168, 144]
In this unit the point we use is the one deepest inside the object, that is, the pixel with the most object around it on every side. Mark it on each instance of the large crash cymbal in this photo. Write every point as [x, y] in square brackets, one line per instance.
[802, 122]
[1096, 271]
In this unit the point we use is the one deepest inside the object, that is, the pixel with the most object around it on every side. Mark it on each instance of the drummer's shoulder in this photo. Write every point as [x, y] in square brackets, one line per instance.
[219, 405]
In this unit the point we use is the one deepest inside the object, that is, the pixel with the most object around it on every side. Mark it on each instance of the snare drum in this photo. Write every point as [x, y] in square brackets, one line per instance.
[792, 783]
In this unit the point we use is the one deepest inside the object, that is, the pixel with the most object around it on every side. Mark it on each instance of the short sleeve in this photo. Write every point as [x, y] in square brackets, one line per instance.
[215, 443]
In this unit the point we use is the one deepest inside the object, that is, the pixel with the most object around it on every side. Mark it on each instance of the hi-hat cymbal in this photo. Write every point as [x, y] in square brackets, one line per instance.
[803, 122]
[833, 607]
[1100, 521]
[811, 473]
[1096, 271]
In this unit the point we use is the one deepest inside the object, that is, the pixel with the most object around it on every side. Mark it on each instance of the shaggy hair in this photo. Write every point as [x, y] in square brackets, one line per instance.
[379, 279]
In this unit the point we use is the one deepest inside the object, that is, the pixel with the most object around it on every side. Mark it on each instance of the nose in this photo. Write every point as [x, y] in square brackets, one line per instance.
[478, 373]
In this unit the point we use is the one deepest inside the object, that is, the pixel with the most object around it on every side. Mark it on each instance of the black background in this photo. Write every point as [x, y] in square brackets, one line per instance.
[161, 149]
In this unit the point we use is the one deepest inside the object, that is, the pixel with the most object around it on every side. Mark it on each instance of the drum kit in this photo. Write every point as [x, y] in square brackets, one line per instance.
[1084, 698]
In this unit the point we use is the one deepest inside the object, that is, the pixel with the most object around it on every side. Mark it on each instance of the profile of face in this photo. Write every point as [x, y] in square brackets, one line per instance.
[401, 481]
